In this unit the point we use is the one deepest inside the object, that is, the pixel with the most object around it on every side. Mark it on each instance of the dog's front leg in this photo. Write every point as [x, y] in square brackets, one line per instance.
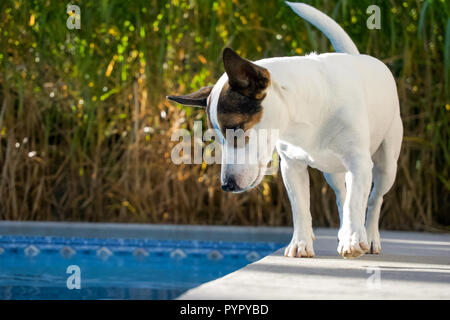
[352, 234]
[296, 179]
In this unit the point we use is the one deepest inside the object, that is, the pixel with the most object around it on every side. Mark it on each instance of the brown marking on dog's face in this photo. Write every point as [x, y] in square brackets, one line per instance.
[237, 111]
[239, 105]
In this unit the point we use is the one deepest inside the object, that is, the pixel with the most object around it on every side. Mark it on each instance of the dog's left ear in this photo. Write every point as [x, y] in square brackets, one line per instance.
[198, 98]
[243, 75]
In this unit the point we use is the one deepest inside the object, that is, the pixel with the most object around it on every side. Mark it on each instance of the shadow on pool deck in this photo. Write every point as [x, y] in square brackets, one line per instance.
[411, 266]
[401, 273]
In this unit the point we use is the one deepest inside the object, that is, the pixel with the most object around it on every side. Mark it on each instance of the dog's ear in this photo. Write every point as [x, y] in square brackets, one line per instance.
[198, 98]
[244, 75]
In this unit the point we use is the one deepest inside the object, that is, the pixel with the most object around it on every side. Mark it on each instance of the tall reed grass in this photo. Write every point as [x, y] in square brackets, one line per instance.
[85, 127]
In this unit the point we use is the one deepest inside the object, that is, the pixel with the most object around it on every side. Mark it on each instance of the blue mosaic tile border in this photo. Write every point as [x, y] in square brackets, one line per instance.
[104, 248]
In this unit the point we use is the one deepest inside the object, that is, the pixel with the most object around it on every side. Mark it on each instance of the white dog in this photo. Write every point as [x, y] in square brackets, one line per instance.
[336, 112]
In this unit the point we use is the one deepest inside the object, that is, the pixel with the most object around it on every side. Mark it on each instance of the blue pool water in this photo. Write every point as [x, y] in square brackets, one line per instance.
[36, 267]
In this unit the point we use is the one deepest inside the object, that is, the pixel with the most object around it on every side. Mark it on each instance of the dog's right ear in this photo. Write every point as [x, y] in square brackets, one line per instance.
[243, 75]
[198, 98]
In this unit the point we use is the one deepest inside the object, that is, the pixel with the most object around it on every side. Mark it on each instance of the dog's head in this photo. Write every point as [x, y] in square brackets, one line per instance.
[237, 108]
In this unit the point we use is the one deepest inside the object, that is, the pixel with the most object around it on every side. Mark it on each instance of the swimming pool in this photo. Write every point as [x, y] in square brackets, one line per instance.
[37, 267]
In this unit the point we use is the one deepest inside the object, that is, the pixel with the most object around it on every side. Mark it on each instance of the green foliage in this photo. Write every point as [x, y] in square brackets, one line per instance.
[85, 128]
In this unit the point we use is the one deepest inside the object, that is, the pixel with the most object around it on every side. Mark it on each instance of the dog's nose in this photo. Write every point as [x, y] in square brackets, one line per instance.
[230, 185]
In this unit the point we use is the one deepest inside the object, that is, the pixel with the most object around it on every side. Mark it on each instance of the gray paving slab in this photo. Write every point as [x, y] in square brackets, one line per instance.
[411, 266]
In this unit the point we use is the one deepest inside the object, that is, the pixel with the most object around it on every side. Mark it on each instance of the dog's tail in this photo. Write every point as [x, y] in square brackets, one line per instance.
[338, 37]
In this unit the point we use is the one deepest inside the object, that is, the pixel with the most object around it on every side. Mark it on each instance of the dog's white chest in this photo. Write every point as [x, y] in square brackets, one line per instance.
[323, 160]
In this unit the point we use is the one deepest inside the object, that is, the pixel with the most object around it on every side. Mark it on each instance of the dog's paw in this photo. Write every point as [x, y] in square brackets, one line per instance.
[300, 247]
[352, 243]
[373, 239]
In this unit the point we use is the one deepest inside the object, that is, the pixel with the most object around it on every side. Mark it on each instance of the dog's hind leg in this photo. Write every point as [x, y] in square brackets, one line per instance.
[384, 171]
[296, 179]
[337, 182]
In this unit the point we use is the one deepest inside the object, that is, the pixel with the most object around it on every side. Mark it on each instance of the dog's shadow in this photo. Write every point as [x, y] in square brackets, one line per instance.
[330, 264]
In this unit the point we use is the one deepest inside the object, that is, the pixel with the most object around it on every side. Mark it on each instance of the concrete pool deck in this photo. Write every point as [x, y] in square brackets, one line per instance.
[411, 266]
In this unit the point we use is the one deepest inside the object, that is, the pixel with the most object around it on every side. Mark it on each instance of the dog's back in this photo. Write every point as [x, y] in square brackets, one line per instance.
[343, 79]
